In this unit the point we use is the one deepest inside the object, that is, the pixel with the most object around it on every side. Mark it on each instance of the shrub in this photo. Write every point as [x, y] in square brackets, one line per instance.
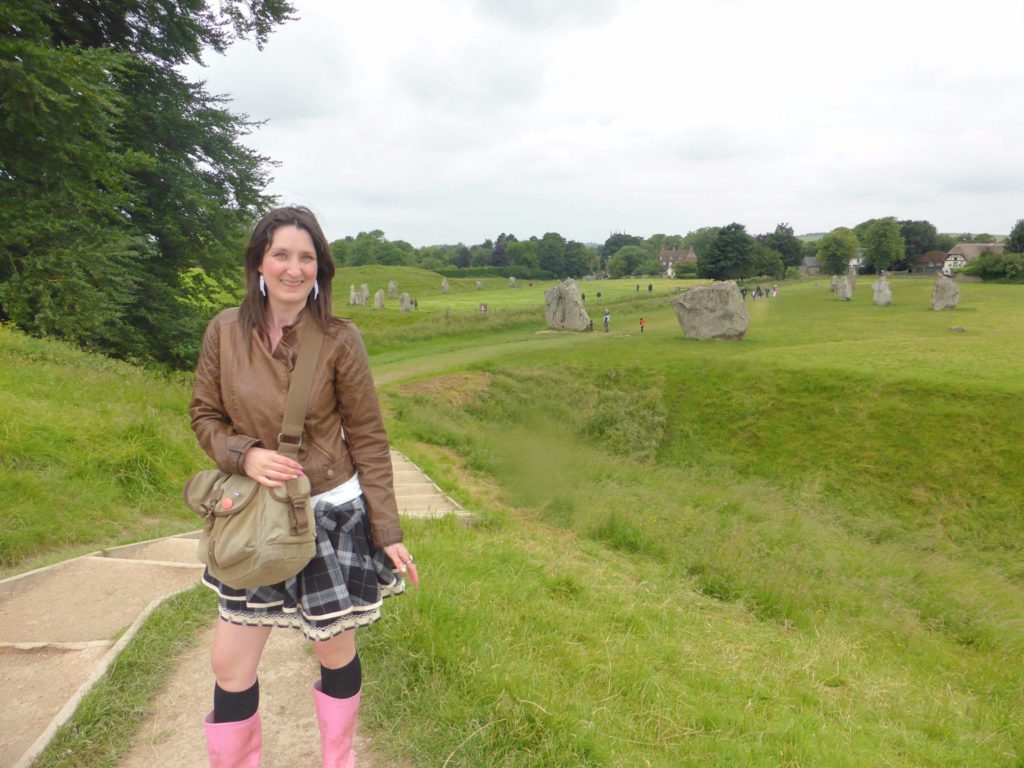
[997, 266]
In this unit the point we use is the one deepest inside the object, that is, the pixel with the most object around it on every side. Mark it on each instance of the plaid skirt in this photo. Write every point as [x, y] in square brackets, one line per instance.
[341, 588]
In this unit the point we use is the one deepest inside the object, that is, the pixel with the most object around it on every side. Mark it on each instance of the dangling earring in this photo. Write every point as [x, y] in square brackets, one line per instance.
[263, 286]
[316, 291]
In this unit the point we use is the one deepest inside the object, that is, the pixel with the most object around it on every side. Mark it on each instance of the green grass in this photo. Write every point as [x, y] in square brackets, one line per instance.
[801, 549]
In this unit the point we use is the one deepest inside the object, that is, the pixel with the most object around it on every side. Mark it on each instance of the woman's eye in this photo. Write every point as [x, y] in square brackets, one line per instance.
[308, 258]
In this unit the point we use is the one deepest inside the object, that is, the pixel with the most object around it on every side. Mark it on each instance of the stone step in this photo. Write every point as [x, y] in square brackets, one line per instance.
[178, 549]
[416, 489]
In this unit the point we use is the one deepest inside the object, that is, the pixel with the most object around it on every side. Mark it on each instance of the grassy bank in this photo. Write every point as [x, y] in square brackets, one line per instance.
[802, 549]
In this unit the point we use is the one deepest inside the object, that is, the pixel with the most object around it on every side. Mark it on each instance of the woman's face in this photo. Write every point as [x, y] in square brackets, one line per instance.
[289, 269]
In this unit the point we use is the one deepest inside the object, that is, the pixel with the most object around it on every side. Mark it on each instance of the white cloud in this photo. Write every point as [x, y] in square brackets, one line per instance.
[448, 120]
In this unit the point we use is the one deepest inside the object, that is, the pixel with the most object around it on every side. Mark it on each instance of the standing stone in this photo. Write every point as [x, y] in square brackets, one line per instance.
[366, 294]
[479, 285]
[444, 286]
[882, 292]
[712, 312]
[844, 288]
[405, 303]
[351, 295]
[392, 289]
[945, 293]
[511, 281]
[563, 308]
[833, 283]
[378, 300]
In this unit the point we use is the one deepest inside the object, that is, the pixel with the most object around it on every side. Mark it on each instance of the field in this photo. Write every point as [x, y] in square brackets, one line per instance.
[802, 549]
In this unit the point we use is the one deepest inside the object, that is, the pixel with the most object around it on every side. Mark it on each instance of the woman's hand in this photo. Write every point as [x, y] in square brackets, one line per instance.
[403, 561]
[270, 468]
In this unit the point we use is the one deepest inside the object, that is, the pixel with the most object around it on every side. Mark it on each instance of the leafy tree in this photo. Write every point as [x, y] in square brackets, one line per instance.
[786, 244]
[836, 249]
[463, 257]
[551, 254]
[114, 164]
[730, 255]
[1015, 242]
[883, 245]
[767, 261]
[920, 237]
[615, 242]
[578, 259]
[700, 239]
[626, 260]
[523, 254]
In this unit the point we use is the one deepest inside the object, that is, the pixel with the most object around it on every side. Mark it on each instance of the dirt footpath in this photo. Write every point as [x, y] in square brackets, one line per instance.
[173, 736]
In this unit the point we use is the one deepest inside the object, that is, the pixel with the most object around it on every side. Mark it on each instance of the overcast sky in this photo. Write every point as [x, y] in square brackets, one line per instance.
[441, 121]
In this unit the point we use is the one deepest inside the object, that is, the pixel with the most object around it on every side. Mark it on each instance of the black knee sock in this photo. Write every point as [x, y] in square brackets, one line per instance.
[342, 683]
[232, 707]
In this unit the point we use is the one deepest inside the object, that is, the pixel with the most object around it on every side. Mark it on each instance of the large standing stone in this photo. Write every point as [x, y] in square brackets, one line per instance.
[392, 289]
[351, 295]
[712, 312]
[378, 300]
[833, 283]
[882, 292]
[511, 281]
[945, 293]
[405, 303]
[444, 286]
[563, 308]
[366, 294]
[844, 288]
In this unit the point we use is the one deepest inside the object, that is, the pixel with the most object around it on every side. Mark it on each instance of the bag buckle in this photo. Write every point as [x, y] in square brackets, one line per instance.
[289, 440]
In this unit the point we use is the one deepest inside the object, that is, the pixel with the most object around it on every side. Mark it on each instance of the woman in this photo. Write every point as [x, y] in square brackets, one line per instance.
[237, 406]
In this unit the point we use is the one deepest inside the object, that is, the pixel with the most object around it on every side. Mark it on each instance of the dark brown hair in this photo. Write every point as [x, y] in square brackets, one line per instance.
[253, 312]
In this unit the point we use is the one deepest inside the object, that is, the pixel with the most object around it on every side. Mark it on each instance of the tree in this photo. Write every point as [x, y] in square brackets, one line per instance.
[767, 261]
[788, 246]
[700, 239]
[883, 245]
[1015, 242]
[523, 253]
[551, 254]
[615, 242]
[626, 261]
[919, 237]
[730, 255]
[836, 249]
[118, 176]
[578, 259]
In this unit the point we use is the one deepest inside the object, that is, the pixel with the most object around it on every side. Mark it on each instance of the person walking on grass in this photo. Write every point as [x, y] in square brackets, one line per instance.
[236, 410]
[607, 320]
[642, 325]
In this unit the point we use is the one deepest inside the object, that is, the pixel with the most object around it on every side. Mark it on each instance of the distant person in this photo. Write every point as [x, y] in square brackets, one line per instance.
[583, 297]
[591, 326]
[743, 293]
[775, 291]
[638, 287]
[598, 295]
[642, 324]
[650, 287]
[236, 407]
[607, 320]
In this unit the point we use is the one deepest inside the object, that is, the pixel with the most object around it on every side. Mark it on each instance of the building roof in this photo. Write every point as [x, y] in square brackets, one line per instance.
[971, 251]
[931, 257]
[675, 256]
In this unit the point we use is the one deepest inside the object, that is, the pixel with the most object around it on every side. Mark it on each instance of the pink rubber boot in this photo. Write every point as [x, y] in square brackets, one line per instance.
[337, 721]
[234, 745]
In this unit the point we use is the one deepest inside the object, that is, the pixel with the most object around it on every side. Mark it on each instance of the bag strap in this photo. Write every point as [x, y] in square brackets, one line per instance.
[290, 439]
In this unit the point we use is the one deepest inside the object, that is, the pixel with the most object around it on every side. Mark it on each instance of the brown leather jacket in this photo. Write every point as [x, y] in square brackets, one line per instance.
[238, 402]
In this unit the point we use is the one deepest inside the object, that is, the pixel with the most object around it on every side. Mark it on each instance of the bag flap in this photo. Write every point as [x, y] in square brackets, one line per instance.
[212, 492]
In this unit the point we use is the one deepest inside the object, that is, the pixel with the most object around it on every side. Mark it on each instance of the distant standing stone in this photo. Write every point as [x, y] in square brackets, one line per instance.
[712, 312]
[392, 289]
[479, 285]
[511, 281]
[351, 295]
[378, 300]
[366, 294]
[945, 293]
[563, 308]
[444, 286]
[844, 288]
[882, 292]
[833, 283]
[405, 303]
